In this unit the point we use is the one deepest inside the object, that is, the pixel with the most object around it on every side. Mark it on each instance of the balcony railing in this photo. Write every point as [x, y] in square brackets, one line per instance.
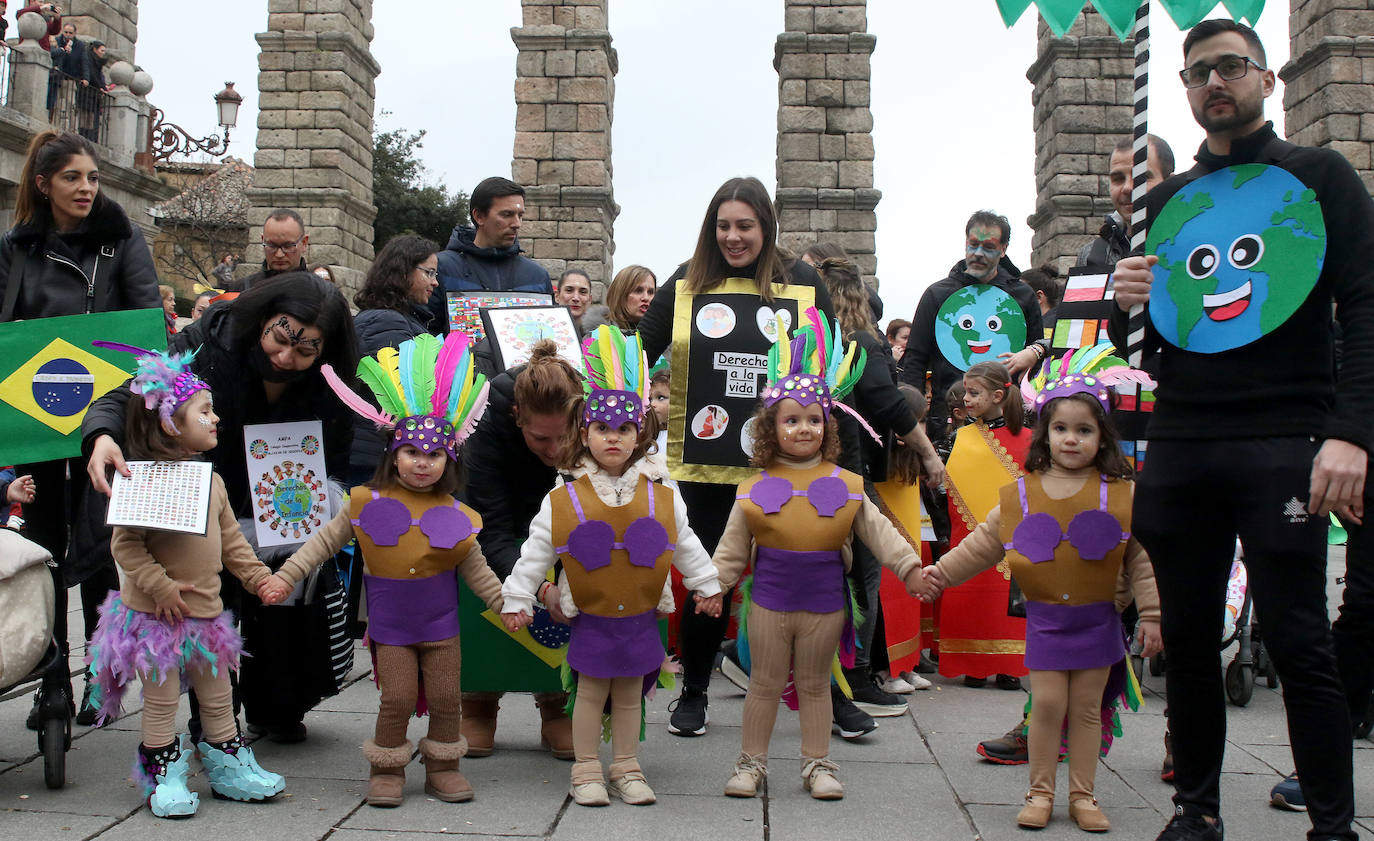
[77, 107]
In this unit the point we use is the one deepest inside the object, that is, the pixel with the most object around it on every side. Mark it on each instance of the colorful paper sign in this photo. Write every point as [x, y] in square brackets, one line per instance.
[287, 475]
[52, 374]
[514, 331]
[465, 311]
[978, 323]
[1239, 249]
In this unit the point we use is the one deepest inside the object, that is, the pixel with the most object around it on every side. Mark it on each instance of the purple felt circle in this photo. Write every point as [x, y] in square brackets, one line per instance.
[645, 539]
[445, 527]
[827, 495]
[1036, 536]
[771, 493]
[1094, 534]
[590, 544]
[384, 520]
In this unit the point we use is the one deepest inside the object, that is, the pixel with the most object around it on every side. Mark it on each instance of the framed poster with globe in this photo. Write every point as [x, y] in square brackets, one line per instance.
[286, 473]
[50, 374]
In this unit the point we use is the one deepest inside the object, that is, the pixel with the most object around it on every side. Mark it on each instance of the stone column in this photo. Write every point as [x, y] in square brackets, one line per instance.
[1083, 89]
[316, 96]
[30, 69]
[564, 96]
[825, 141]
[114, 22]
[1328, 95]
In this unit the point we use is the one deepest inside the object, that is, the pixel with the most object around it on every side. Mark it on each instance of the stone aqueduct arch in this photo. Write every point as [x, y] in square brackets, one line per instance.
[317, 94]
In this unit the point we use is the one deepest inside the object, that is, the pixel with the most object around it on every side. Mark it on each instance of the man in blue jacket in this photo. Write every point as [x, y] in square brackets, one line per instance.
[485, 256]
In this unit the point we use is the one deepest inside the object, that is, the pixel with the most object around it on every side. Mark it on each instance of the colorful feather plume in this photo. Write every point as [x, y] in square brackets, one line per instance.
[817, 348]
[614, 362]
[1057, 376]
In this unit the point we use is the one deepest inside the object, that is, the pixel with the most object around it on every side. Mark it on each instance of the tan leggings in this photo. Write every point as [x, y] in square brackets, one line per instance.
[806, 643]
[592, 692]
[160, 702]
[399, 668]
[1054, 694]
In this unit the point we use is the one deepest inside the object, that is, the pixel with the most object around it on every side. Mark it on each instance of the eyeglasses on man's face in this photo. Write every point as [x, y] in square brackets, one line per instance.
[282, 247]
[1228, 67]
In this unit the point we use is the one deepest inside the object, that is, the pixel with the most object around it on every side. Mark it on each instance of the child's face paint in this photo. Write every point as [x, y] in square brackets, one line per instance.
[196, 421]
[1075, 436]
[418, 469]
[800, 429]
[610, 446]
[981, 401]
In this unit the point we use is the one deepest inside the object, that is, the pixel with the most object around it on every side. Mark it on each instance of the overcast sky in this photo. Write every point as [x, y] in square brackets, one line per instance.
[696, 103]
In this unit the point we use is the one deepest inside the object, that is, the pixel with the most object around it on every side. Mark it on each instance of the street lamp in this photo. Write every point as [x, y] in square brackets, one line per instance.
[166, 139]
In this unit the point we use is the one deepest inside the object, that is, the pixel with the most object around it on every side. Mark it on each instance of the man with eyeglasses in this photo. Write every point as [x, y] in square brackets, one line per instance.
[485, 256]
[987, 235]
[283, 248]
[1254, 433]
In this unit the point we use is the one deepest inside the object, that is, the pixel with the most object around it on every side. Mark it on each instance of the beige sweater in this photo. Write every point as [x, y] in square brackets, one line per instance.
[982, 550]
[155, 562]
[736, 548]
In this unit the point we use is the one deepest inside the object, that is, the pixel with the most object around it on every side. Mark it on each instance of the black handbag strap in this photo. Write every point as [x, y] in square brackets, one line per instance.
[16, 280]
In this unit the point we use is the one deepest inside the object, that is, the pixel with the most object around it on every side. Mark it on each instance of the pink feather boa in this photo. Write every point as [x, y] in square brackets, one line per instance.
[129, 644]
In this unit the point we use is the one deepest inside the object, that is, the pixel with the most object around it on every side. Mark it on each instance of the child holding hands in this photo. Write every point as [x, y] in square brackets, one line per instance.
[616, 532]
[167, 626]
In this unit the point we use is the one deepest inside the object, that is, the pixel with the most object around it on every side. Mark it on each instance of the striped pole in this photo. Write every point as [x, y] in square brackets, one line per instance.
[1140, 129]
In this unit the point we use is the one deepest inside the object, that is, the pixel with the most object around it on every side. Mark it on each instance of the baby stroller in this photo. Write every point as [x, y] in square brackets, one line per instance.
[28, 650]
[1238, 624]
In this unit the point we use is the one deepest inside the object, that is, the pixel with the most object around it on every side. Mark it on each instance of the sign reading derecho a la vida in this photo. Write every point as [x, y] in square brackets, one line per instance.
[722, 337]
[287, 475]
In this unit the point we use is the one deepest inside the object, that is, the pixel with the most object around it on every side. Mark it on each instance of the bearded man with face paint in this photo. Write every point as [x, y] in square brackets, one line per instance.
[1257, 436]
[986, 238]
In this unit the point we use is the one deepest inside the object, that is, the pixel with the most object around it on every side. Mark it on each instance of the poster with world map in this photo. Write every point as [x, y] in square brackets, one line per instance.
[286, 473]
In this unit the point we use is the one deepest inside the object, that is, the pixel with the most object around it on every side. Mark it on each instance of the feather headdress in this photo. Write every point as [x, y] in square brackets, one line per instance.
[163, 379]
[1090, 370]
[813, 365]
[617, 381]
[429, 391]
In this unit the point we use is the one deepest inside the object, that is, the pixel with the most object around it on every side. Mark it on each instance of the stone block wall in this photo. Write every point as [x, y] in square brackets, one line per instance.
[564, 103]
[316, 84]
[1328, 96]
[113, 21]
[825, 141]
[1083, 86]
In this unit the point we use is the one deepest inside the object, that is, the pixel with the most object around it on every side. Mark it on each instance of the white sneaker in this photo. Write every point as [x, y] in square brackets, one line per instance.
[916, 681]
[590, 794]
[897, 686]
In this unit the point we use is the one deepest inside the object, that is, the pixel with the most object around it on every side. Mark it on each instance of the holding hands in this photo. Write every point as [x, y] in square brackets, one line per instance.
[935, 583]
[517, 620]
[274, 590]
[709, 605]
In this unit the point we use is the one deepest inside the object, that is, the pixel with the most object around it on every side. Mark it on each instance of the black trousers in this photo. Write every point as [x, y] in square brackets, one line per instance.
[699, 635]
[1353, 629]
[1191, 502]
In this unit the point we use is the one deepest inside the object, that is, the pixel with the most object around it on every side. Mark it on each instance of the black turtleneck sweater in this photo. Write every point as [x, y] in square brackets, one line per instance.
[1284, 383]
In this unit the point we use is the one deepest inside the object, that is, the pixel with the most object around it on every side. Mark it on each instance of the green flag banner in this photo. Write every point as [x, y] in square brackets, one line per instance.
[50, 374]
[1120, 14]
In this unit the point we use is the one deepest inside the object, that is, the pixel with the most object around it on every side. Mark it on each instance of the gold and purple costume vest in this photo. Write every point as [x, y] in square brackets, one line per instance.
[412, 584]
[615, 560]
[1066, 555]
[800, 520]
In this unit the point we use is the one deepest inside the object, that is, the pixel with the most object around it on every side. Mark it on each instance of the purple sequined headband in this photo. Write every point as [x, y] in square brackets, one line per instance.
[165, 380]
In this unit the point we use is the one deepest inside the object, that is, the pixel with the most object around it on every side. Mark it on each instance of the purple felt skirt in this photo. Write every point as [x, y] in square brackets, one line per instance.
[615, 646]
[786, 580]
[1060, 637]
[128, 644]
[404, 611]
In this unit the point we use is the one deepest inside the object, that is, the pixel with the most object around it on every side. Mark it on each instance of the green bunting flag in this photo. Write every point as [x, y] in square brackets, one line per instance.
[1120, 14]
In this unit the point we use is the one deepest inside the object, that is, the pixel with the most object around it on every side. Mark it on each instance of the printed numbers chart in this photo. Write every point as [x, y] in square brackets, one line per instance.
[164, 495]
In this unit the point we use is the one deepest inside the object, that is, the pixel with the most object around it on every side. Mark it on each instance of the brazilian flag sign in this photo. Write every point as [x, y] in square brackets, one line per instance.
[50, 374]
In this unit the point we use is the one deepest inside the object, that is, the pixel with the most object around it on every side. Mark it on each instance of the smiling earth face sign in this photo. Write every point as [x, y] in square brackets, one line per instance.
[976, 324]
[1239, 251]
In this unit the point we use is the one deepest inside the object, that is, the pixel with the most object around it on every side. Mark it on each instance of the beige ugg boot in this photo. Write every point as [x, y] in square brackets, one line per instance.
[478, 725]
[387, 778]
[443, 780]
[555, 733]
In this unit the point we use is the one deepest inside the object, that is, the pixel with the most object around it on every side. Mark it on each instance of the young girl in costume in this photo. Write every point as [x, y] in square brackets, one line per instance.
[413, 535]
[1065, 530]
[796, 518]
[977, 637]
[616, 533]
[166, 626]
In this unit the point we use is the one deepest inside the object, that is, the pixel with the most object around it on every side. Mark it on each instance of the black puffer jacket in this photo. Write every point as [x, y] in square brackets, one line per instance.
[504, 481]
[102, 266]
[379, 329]
[465, 267]
[239, 400]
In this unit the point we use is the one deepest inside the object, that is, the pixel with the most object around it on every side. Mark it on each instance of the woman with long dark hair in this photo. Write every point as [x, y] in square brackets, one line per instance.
[72, 250]
[261, 355]
[736, 272]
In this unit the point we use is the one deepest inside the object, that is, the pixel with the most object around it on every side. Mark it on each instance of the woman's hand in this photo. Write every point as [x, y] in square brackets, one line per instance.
[106, 456]
[172, 608]
[1151, 641]
[21, 490]
[517, 620]
[709, 605]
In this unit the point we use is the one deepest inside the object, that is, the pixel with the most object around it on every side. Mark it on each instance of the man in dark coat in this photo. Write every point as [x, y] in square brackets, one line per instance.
[284, 242]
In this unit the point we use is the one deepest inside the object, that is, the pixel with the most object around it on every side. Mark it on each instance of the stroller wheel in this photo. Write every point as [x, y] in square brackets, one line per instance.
[53, 738]
[1240, 682]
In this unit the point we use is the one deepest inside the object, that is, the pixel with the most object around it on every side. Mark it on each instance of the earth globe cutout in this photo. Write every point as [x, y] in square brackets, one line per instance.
[291, 498]
[977, 324]
[1239, 251]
